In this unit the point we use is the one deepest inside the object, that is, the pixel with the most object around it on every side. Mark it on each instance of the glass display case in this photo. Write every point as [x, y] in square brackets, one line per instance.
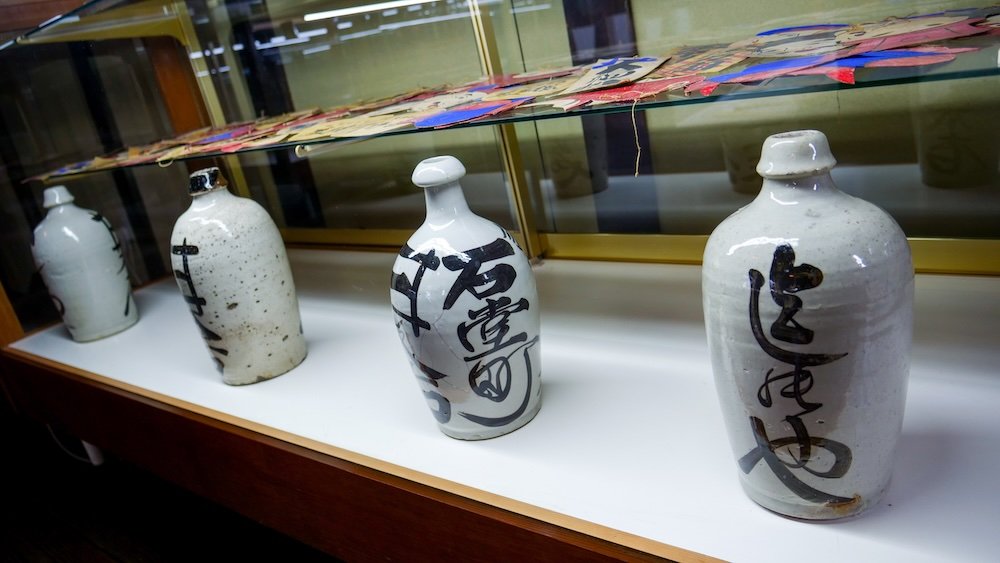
[645, 181]
[119, 98]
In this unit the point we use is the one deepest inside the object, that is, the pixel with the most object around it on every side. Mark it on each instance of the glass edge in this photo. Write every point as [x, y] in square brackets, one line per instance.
[55, 20]
[730, 93]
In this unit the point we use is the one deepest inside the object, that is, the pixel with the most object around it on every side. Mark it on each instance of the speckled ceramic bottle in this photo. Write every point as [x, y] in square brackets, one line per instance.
[80, 259]
[466, 307]
[230, 264]
[808, 298]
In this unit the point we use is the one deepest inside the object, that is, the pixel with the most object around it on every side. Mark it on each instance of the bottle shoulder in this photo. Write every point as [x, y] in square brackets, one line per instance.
[226, 217]
[795, 215]
[837, 234]
[457, 236]
[69, 225]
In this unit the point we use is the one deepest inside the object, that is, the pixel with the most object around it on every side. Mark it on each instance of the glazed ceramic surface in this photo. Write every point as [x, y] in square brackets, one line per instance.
[466, 308]
[808, 295]
[230, 265]
[80, 259]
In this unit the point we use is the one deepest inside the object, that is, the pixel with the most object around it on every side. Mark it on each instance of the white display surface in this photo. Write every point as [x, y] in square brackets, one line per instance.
[629, 435]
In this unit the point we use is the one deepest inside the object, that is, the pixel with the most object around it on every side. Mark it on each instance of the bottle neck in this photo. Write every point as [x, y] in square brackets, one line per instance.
[445, 203]
[787, 191]
[61, 207]
[204, 200]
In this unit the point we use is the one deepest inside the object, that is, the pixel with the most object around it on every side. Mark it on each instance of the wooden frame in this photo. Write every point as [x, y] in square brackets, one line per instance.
[10, 326]
[346, 505]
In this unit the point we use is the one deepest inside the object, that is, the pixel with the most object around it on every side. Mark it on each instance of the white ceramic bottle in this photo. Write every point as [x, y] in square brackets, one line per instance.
[80, 259]
[230, 265]
[466, 307]
[808, 295]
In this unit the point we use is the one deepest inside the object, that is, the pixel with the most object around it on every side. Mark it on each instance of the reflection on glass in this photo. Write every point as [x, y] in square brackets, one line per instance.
[923, 143]
[926, 151]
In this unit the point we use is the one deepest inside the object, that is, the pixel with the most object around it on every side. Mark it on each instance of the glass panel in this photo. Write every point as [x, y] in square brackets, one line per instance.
[367, 185]
[331, 54]
[252, 59]
[921, 141]
[924, 144]
[60, 103]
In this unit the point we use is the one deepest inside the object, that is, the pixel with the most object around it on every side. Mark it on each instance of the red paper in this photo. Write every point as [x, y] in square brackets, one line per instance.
[955, 30]
[629, 92]
[842, 74]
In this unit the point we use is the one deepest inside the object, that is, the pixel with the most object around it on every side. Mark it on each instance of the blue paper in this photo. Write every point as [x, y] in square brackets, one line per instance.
[872, 56]
[801, 62]
[460, 114]
[802, 28]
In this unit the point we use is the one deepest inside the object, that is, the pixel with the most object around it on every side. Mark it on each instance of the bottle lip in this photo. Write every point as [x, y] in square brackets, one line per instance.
[795, 154]
[55, 196]
[437, 171]
[206, 180]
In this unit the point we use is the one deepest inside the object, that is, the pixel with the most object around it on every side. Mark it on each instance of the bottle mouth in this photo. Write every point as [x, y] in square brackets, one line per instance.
[55, 196]
[437, 171]
[795, 154]
[206, 180]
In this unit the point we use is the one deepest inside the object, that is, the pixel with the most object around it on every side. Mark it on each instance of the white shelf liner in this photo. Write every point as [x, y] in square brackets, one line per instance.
[630, 435]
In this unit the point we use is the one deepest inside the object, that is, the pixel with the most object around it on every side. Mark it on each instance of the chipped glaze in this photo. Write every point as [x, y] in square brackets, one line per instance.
[808, 296]
[80, 260]
[230, 265]
[466, 308]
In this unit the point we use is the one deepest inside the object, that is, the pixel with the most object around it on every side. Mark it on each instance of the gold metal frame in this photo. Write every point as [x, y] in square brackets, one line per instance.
[932, 256]
[510, 151]
[956, 256]
[679, 249]
[376, 238]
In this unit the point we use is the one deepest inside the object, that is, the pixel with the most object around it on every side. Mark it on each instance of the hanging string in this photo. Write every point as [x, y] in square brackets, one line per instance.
[635, 132]
[64, 448]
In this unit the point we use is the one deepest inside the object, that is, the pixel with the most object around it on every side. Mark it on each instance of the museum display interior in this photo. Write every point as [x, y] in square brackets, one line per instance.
[609, 139]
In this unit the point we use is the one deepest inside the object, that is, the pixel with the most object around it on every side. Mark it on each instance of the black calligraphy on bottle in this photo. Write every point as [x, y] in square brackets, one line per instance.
[442, 409]
[497, 354]
[196, 302]
[116, 248]
[497, 279]
[786, 281]
[402, 284]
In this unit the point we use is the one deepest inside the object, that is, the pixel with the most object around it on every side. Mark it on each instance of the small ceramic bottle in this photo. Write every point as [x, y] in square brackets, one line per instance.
[808, 296]
[466, 307]
[80, 259]
[230, 265]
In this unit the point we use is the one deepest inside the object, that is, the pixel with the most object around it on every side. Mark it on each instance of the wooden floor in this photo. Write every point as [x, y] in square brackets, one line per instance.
[54, 508]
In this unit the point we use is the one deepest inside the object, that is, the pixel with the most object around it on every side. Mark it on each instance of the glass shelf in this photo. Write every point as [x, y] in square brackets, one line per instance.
[95, 15]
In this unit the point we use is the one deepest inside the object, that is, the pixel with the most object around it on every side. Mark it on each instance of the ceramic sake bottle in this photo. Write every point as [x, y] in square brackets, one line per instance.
[808, 295]
[466, 307]
[230, 265]
[80, 260]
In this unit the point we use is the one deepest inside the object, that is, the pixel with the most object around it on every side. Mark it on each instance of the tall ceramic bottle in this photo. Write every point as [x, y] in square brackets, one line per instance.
[80, 259]
[231, 267]
[808, 298]
[466, 307]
